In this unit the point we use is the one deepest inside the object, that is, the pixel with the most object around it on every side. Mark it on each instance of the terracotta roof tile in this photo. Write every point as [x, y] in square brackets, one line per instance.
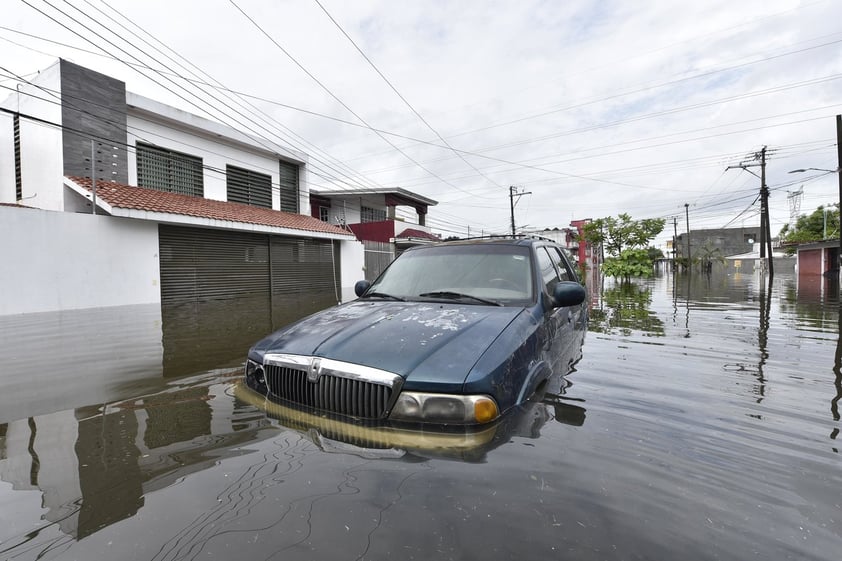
[119, 195]
[414, 233]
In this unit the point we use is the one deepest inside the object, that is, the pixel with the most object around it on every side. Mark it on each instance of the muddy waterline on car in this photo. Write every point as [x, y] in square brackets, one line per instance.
[702, 422]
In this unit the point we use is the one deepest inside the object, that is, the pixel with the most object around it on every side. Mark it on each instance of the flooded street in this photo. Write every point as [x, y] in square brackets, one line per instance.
[702, 422]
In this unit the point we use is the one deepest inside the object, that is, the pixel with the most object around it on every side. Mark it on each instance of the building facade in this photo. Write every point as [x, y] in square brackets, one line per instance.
[371, 214]
[182, 209]
[721, 242]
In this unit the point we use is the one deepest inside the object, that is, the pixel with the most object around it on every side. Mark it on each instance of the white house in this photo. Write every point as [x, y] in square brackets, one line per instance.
[371, 214]
[184, 210]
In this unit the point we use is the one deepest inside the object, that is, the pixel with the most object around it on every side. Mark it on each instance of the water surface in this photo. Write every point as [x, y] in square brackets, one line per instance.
[701, 422]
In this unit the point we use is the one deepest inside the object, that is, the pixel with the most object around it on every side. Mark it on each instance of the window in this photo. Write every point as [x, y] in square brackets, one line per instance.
[549, 275]
[18, 177]
[368, 214]
[324, 214]
[561, 264]
[248, 187]
[169, 171]
[288, 186]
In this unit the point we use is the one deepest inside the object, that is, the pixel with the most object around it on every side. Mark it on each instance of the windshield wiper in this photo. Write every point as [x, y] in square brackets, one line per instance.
[383, 295]
[449, 295]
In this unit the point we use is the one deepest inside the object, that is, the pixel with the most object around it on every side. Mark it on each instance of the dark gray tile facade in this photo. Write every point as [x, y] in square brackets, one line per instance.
[93, 107]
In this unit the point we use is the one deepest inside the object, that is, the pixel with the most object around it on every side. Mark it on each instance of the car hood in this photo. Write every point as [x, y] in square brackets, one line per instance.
[421, 341]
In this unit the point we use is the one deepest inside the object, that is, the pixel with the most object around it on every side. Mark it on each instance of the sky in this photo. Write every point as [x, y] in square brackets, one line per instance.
[587, 108]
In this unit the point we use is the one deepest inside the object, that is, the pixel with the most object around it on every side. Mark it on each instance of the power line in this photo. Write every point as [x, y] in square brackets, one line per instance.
[334, 96]
[402, 98]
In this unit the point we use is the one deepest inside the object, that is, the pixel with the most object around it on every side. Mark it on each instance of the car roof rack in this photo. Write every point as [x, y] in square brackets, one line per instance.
[520, 236]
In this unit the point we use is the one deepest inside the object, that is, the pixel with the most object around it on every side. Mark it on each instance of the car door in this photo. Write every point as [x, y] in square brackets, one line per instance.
[563, 322]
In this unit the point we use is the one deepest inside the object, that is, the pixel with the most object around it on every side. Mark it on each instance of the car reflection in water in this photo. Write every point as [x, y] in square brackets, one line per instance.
[337, 434]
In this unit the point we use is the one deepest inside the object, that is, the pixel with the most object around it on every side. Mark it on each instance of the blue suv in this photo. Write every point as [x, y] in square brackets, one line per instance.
[455, 333]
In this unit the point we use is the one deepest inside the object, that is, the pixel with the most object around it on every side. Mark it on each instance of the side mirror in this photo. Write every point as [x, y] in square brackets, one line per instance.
[361, 287]
[568, 293]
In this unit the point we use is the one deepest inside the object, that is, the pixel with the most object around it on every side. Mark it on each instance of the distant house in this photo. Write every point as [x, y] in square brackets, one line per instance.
[371, 214]
[185, 209]
[818, 258]
[721, 241]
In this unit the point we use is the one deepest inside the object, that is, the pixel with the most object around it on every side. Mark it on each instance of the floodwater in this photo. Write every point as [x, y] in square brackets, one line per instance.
[702, 422]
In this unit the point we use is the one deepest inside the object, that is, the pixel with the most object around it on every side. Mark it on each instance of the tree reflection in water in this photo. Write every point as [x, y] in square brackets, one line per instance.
[624, 309]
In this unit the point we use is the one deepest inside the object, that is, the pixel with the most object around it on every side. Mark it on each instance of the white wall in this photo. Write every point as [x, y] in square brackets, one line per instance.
[62, 261]
[352, 258]
[41, 144]
[7, 159]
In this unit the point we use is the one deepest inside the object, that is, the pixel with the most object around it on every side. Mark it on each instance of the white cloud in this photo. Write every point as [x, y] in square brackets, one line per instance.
[636, 99]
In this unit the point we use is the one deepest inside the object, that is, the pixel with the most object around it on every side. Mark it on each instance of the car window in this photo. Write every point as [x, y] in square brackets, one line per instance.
[562, 266]
[498, 272]
[549, 275]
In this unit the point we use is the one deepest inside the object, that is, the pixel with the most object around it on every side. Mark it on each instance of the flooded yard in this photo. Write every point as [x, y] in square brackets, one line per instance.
[702, 422]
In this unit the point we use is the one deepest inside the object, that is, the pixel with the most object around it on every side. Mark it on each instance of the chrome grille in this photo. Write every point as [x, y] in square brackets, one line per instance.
[336, 394]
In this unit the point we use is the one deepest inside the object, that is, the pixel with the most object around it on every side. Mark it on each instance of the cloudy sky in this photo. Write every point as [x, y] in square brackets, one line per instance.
[589, 107]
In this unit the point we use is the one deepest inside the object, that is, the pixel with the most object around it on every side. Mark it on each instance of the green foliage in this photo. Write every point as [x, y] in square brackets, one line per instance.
[814, 226]
[624, 309]
[707, 255]
[630, 263]
[617, 234]
[655, 253]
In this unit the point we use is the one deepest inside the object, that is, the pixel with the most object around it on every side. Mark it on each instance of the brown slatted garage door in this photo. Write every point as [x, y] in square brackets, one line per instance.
[202, 264]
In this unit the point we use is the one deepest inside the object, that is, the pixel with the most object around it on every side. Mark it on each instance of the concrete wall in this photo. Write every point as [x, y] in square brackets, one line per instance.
[63, 261]
[7, 159]
[729, 241]
[93, 108]
[352, 258]
[41, 144]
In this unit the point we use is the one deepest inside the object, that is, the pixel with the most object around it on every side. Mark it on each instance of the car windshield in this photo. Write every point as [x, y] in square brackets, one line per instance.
[470, 273]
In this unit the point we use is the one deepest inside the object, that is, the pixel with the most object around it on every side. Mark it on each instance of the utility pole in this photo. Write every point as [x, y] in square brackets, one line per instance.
[687, 218]
[674, 240]
[764, 213]
[839, 177]
[765, 224]
[512, 194]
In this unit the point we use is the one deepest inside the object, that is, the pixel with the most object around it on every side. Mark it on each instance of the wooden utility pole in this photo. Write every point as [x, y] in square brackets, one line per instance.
[687, 218]
[839, 177]
[512, 194]
[674, 240]
[765, 223]
[512, 189]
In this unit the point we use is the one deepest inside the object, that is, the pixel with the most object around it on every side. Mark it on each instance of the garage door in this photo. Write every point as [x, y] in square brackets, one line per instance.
[200, 265]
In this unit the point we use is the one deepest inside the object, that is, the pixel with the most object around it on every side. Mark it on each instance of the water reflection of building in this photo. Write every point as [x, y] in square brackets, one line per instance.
[94, 469]
[53, 361]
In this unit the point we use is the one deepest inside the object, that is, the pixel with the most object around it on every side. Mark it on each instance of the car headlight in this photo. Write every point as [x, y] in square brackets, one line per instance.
[254, 371]
[444, 408]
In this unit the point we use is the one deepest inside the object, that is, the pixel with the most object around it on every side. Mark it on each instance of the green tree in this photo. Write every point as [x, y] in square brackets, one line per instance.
[822, 223]
[625, 242]
[617, 234]
[707, 255]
